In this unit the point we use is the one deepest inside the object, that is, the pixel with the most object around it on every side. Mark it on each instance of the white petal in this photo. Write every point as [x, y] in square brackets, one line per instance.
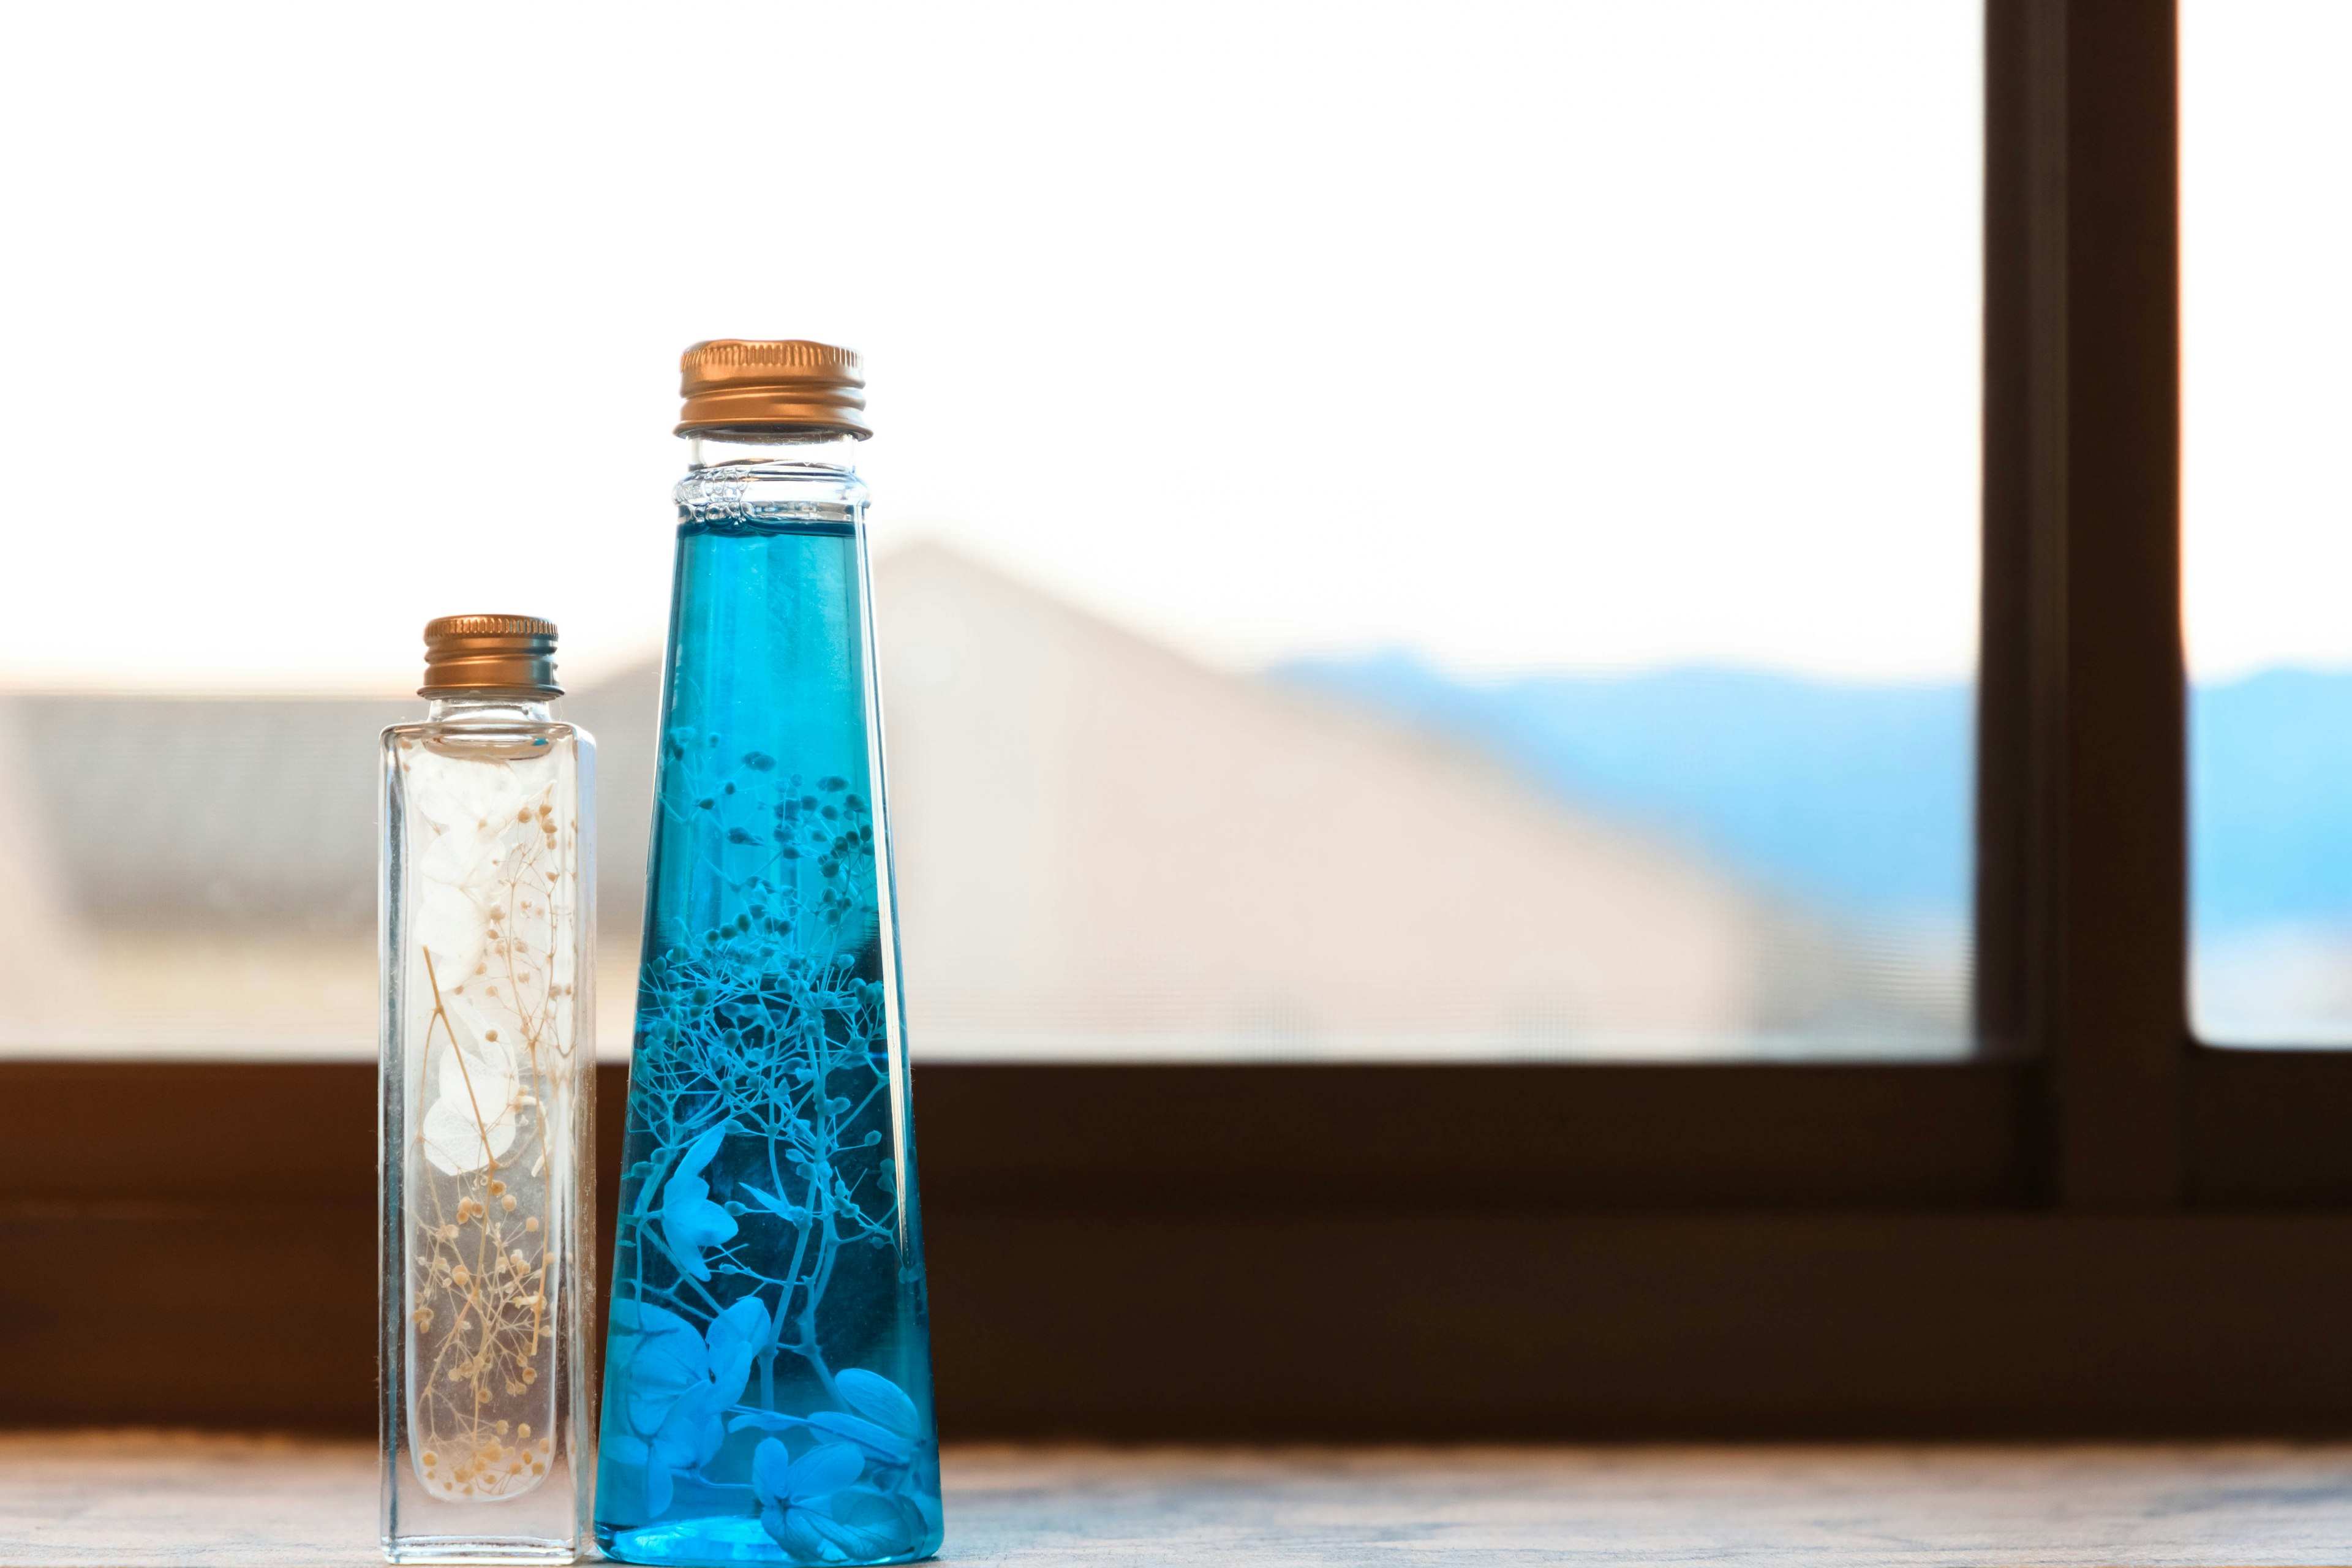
[460, 794]
[454, 855]
[453, 927]
[453, 1137]
[477, 1071]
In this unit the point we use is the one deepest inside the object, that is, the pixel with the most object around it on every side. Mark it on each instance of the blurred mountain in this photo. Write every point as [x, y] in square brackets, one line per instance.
[1858, 798]
[2270, 792]
[1852, 798]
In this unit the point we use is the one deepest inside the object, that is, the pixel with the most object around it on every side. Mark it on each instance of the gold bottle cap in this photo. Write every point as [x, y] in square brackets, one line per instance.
[489, 653]
[732, 383]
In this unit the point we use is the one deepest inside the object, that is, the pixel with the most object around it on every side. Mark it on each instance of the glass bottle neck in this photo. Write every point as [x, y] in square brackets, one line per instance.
[487, 708]
[825, 451]
[771, 478]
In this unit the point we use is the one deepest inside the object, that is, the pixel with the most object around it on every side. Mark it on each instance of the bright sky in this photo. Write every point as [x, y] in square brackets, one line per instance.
[1529, 335]
[2266, 332]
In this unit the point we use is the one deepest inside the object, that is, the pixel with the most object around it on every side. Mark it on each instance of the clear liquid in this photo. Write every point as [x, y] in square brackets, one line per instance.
[487, 1105]
[768, 1378]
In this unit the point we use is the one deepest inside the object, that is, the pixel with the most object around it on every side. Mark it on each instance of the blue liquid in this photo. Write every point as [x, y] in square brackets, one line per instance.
[767, 1386]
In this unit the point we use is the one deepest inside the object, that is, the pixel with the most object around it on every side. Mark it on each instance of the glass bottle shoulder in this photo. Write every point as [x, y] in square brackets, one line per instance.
[492, 741]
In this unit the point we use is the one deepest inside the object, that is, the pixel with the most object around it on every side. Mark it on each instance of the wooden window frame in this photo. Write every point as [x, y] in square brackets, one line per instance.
[2098, 1226]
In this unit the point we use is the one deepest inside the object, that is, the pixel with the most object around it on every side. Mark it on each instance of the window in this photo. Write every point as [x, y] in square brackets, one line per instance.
[2117, 1232]
[2267, 516]
[1396, 541]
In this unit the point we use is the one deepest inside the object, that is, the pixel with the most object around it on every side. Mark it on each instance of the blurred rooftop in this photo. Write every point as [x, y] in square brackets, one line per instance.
[1103, 850]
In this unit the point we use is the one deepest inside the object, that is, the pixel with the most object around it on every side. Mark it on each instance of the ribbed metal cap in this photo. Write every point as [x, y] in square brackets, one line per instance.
[489, 653]
[736, 383]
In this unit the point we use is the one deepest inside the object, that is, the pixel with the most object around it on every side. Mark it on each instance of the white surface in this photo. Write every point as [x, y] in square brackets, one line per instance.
[145, 1501]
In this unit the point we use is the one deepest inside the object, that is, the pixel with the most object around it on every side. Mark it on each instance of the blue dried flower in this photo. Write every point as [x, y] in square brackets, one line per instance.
[675, 1386]
[691, 1221]
[796, 1495]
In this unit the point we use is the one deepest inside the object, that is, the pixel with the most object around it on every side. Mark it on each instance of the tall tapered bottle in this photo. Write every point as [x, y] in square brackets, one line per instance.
[767, 1384]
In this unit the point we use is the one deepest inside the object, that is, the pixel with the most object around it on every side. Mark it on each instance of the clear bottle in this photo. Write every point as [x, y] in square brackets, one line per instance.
[767, 1377]
[487, 1097]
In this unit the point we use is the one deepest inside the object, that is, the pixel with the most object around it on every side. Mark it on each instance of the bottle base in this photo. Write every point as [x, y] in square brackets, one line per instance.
[714, 1542]
[487, 1552]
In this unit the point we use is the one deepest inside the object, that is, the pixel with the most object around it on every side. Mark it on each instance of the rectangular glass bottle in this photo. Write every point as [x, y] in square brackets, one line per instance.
[486, 1095]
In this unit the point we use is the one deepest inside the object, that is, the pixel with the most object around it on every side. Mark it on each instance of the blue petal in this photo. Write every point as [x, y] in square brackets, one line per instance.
[731, 1369]
[694, 1430]
[735, 1338]
[880, 1400]
[621, 1479]
[635, 1317]
[743, 1324]
[662, 1331]
[887, 1446]
[690, 1218]
[770, 1465]
[698, 1152]
[658, 1490]
[712, 1223]
[824, 1470]
[798, 1534]
[864, 1522]
[659, 1363]
[691, 1222]
[629, 1316]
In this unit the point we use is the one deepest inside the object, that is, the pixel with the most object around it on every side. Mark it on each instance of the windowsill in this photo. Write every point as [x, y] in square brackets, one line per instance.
[138, 1499]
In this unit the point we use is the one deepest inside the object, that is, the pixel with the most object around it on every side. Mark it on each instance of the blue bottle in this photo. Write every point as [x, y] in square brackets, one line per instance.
[767, 1377]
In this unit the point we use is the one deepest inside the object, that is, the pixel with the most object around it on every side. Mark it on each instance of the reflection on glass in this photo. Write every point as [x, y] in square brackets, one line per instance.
[2267, 518]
